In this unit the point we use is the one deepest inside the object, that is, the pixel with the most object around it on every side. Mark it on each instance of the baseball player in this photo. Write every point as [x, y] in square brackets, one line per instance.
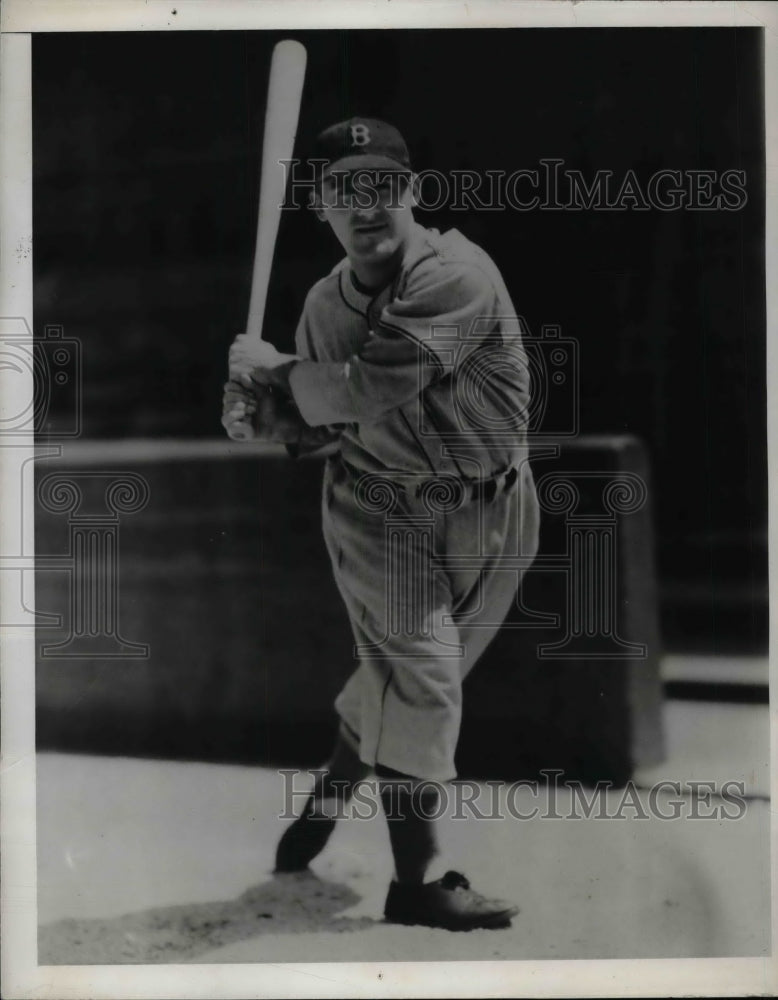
[409, 367]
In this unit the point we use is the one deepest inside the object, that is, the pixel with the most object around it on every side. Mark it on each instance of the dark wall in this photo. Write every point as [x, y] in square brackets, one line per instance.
[145, 157]
[222, 575]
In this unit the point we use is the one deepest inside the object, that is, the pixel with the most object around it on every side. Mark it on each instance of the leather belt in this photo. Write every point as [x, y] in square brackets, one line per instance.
[474, 489]
[465, 490]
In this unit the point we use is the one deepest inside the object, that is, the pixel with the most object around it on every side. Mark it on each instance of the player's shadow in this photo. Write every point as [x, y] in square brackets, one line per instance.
[286, 904]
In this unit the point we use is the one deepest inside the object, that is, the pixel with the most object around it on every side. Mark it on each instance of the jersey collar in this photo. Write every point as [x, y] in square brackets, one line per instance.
[361, 300]
[351, 294]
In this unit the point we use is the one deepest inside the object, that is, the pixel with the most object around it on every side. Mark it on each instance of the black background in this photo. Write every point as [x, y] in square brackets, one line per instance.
[146, 152]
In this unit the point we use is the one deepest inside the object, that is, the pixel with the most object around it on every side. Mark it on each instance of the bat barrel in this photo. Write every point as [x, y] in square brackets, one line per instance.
[284, 94]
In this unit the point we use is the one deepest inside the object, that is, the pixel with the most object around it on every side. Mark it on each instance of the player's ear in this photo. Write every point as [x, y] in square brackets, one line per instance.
[315, 203]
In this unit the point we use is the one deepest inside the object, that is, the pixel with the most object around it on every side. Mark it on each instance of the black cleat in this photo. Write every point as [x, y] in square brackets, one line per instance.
[449, 903]
[303, 841]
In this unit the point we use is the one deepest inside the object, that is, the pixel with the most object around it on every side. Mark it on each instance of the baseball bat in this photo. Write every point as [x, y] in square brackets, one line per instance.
[284, 94]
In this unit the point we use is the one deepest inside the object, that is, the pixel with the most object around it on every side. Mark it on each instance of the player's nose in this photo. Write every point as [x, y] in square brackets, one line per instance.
[361, 213]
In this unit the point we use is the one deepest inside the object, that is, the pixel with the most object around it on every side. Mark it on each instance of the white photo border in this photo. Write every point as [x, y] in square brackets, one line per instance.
[21, 976]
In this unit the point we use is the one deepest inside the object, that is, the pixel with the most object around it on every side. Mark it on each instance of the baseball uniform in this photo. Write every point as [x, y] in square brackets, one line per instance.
[429, 508]
[410, 355]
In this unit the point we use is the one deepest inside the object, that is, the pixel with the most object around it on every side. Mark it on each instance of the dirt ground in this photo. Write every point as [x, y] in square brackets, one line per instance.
[165, 862]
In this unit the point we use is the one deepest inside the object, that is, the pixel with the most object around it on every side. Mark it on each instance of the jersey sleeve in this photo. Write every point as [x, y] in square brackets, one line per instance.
[310, 438]
[410, 348]
[303, 339]
[440, 311]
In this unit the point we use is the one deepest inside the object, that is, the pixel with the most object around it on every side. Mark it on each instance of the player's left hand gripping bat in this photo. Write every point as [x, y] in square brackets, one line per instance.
[284, 94]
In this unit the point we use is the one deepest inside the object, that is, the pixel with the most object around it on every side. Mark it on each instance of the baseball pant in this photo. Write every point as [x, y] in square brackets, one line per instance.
[426, 588]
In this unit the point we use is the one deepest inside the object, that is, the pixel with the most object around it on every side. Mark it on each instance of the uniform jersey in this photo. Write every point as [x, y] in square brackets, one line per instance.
[427, 375]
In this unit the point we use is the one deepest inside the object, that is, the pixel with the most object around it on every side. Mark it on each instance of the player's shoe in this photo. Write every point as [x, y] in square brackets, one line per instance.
[303, 840]
[449, 903]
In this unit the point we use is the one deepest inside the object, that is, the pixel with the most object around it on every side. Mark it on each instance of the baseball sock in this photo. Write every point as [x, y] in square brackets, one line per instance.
[410, 805]
[308, 835]
[333, 789]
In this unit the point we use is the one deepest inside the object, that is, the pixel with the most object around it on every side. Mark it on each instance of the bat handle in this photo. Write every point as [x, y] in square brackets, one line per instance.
[240, 431]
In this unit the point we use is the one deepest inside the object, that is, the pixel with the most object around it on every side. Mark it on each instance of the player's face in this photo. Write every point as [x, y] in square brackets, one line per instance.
[370, 212]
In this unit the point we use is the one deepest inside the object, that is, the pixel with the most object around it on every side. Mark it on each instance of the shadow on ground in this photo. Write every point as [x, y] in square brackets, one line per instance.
[287, 904]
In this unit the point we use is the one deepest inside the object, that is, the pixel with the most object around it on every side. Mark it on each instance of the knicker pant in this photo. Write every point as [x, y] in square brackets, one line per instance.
[425, 591]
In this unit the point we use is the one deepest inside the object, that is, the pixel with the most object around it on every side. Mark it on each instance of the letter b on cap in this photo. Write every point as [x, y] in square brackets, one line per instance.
[360, 135]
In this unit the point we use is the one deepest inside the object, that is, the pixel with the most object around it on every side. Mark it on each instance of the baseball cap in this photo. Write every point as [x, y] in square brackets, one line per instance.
[360, 143]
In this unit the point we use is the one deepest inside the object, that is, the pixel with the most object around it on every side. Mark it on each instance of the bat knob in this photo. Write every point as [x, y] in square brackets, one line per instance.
[240, 432]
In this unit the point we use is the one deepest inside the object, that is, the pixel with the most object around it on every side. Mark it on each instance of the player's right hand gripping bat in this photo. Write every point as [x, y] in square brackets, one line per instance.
[284, 94]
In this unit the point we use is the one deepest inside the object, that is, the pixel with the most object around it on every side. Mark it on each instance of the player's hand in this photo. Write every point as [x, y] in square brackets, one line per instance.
[255, 362]
[278, 419]
[239, 406]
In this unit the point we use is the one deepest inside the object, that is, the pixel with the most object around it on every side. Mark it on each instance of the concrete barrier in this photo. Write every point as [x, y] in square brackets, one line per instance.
[198, 617]
[572, 680]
